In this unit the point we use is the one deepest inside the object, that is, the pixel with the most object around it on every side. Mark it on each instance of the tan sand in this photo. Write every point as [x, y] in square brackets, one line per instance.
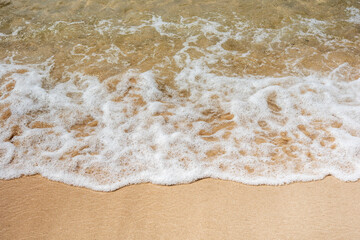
[36, 208]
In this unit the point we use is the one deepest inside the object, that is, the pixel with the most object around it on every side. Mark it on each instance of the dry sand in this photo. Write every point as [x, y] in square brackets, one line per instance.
[36, 208]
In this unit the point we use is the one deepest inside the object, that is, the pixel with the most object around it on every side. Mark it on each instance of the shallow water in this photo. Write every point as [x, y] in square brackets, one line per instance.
[108, 93]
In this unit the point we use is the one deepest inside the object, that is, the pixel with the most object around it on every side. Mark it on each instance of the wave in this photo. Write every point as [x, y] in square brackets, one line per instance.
[172, 102]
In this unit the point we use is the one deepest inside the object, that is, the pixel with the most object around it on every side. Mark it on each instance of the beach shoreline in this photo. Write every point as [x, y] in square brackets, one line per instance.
[97, 95]
[36, 208]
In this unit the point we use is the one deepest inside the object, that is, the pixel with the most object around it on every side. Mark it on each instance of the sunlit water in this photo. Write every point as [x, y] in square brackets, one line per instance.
[103, 94]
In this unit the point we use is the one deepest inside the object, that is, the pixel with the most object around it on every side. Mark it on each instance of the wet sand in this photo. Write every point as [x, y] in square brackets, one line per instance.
[36, 208]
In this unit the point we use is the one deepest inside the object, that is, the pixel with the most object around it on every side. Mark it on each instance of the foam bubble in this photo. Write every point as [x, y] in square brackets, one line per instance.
[354, 15]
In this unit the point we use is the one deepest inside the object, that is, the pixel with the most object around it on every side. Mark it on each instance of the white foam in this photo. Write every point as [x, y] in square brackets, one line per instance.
[354, 15]
[143, 135]
[14, 33]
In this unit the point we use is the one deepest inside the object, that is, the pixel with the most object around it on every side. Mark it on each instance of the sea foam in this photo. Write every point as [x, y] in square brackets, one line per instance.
[103, 133]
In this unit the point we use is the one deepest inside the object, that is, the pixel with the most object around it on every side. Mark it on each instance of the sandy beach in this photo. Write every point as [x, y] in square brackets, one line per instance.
[36, 208]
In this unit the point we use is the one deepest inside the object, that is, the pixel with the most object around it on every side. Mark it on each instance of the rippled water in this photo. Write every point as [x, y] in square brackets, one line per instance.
[108, 93]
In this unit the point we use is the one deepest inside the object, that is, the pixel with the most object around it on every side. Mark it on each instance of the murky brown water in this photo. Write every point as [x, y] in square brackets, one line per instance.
[106, 93]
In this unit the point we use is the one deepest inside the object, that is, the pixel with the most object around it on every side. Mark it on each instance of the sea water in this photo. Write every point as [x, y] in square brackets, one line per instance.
[106, 93]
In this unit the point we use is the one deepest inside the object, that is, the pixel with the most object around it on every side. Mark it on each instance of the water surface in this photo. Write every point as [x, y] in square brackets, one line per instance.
[108, 93]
